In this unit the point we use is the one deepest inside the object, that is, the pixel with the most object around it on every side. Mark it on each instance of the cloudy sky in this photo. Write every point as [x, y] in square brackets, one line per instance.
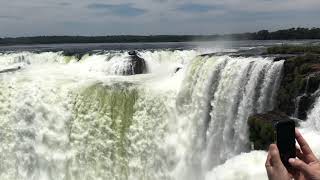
[146, 17]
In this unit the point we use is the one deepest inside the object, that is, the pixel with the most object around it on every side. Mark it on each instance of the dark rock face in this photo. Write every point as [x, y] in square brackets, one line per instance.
[303, 103]
[78, 54]
[282, 57]
[137, 64]
[12, 69]
[132, 53]
[300, 78]
[177, 69]
[261, 128]
[297, 93]
[314, 82]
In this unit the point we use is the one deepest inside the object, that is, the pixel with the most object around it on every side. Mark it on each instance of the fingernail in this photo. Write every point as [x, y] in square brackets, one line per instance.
[291, 160]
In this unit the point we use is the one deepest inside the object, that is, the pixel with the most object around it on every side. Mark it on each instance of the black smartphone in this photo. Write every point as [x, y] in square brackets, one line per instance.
[285, 137]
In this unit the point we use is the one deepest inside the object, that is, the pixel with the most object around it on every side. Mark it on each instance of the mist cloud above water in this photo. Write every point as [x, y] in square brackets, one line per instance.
[83, 17]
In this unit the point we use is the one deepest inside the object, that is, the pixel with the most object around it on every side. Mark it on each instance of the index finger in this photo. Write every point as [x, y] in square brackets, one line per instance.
[306, 150]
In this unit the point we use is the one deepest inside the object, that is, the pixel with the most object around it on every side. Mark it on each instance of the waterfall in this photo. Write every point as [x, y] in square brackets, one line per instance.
[298, 99]
[218, 95]
[68, 118]
[237, 167]
[313, 116]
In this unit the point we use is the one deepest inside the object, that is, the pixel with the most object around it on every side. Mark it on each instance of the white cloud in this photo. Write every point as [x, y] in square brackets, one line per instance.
[161, 16]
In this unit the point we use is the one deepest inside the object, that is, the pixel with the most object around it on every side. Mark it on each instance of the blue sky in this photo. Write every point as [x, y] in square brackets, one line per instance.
[151, 17]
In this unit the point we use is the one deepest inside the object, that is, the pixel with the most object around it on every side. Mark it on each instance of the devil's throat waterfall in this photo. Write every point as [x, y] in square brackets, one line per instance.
[185, 119]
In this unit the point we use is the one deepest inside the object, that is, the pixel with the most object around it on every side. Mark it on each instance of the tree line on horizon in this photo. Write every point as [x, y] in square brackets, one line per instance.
[286, 34]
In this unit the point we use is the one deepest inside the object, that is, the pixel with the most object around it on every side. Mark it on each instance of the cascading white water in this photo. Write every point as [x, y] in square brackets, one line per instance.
[313, 120]
[250, 166]
[66, 119]
[217, 97]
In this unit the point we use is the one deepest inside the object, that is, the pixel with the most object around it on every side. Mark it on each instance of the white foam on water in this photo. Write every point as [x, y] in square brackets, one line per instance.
[249, 166]
[68, 119]
[246, 166]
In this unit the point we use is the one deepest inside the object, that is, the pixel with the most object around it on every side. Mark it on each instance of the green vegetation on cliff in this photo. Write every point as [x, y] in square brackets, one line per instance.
[287, 34]
[261, 132]
[300, 78]
[296, 94]
[289, 49]
[262, 128]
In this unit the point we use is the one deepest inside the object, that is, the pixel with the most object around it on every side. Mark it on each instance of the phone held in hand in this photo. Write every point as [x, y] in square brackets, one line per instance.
[285, 137]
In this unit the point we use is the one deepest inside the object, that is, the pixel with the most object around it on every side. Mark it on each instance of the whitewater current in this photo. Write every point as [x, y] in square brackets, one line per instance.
[67, 118]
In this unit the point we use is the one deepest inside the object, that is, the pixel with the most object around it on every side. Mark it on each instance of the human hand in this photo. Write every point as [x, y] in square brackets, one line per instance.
[275, 168]
[307, 164]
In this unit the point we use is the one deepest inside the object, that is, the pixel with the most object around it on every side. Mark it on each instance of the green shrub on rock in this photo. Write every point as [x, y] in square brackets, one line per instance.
[261, 128]
[298, 72]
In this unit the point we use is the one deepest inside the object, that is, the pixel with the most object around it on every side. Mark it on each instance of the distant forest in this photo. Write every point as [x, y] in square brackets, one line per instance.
[287, 34]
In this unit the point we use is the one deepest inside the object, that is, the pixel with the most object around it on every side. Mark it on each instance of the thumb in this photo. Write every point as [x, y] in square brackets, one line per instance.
[275, 156]
[300, 165]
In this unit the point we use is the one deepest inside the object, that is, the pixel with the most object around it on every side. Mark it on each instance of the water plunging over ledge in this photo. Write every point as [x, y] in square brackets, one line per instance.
[61, 118]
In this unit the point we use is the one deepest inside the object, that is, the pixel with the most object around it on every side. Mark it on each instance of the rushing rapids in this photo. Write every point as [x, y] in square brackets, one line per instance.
[68, 118]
